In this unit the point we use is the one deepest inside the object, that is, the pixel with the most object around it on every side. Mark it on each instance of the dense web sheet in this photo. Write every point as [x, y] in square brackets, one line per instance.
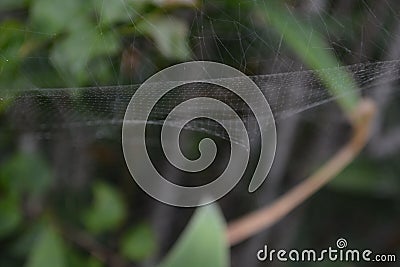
[237, 38]
[45, 111]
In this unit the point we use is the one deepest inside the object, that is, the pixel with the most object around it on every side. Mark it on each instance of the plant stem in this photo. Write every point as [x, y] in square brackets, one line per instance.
[259, 220]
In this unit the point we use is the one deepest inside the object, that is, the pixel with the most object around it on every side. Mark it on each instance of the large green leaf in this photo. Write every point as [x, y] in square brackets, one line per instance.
[203, 243]
[108, 210]
[48, 250]
[310, 46]
[138, 243]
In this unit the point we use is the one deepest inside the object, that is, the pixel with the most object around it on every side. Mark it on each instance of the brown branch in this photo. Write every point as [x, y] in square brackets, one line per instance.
[261, 219]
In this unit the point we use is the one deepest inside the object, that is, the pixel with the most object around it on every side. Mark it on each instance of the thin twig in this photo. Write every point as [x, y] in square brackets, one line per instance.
[261, 219]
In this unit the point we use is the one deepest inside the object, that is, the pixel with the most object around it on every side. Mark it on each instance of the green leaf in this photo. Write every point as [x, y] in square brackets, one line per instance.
[112, 11]
[48, 250]
[169, 34]
[310, 46]
[55, 16]
[72, 54]
[369, 178]
[108, 210]
[10, 215]
[138, 243]
[25, 173]
[203, 243]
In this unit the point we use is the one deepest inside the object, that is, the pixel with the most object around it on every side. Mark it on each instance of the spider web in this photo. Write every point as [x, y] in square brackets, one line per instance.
[46, 110]
[235, 38]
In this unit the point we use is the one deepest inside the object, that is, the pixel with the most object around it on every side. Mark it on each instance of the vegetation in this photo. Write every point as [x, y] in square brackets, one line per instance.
[71, 202]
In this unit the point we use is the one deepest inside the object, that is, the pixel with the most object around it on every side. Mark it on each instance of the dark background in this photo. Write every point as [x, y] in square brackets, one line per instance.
[66, 196]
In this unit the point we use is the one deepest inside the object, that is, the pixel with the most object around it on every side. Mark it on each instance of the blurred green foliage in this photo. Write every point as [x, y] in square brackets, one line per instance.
[138, 243]
[57, 43]
[48, 250]
[108, 210]
[23, 175]
[170, 35]
[311, 48]
[368, 177]
[10, 215]
[203, 243]
[72, 43]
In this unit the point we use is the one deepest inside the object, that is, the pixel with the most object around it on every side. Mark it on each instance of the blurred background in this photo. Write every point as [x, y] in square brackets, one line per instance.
[66, 195]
